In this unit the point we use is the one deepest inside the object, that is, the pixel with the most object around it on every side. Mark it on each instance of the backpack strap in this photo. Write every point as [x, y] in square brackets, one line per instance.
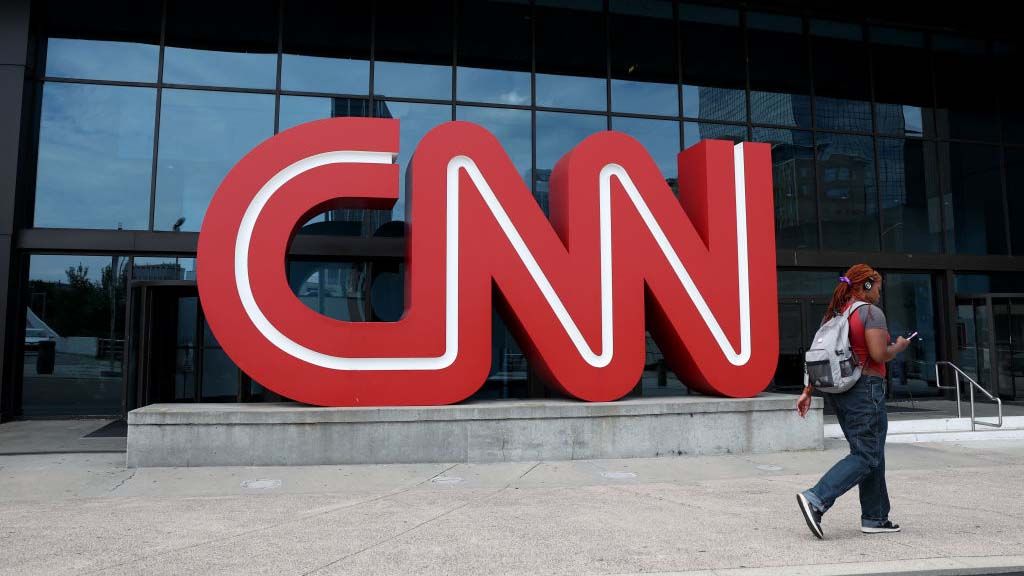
[853, 308]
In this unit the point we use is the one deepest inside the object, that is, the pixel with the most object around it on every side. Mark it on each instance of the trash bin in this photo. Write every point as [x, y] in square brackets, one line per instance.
[47, 357]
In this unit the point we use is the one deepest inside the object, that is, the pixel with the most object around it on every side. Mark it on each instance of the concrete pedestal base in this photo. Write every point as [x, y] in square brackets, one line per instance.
[483, 431]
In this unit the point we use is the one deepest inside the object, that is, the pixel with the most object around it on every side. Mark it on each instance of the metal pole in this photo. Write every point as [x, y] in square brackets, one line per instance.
[972, 408]
[958, 413]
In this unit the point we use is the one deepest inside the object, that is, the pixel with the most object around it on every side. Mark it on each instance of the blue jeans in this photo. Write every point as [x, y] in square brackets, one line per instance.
[862, 416]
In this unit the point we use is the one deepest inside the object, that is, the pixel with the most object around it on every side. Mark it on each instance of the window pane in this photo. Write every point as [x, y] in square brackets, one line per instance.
[713, 87]
[803, 298]
[557, 134]
[779, 79]
[494, 61]
[1015, 196]
[163, 268]
[849, 201]
[413, 50]
[842, 79]
[509, 368]
[694, 132]
[910, 307]
[973, 200]
[1010, 61]
[95, 157]
[297, 110]
[337, 289]
[74, 336]
[571, 55]
[903, 82]
[660, 138]
[644, 74]
[796, 208]
[965, 89]
[326, 47]
[511, 127]
[220, 377]
[209, 45]
[416, 120]
[910, 196]
[115, 40]
[202, 135]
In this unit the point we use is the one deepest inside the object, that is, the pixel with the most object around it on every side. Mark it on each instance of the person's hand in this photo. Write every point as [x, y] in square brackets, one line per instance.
[803, 403]
[902, 344]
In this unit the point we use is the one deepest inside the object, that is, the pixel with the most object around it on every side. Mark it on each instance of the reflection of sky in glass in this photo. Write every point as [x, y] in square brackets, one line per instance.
[211, 68]
[659, 137]
[511, 127]
[585, 93]
[53, 267]
[297, 110]
[202, 135]
[900, 119]
[496, 86]
[95, 156]
[317, 74]
[645, 97]
[412, 80]
[101, 60]
[415, 121]
[557, 134]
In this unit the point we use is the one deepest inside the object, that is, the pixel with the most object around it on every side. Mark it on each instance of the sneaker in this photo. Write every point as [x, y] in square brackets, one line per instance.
[812, 516]
[884, 528]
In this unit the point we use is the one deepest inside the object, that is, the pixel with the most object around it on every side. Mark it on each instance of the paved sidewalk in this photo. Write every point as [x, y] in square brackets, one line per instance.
[961, 506]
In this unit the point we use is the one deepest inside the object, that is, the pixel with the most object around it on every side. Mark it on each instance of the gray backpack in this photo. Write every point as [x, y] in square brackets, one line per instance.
[830, 365]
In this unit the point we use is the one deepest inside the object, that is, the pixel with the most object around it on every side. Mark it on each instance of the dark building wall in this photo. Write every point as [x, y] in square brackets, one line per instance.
[14, 34]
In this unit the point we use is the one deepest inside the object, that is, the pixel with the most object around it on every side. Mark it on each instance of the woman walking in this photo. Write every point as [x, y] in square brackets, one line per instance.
[861, 410]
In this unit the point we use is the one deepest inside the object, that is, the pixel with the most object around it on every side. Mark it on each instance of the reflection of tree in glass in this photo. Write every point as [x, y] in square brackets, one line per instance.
[81, 307]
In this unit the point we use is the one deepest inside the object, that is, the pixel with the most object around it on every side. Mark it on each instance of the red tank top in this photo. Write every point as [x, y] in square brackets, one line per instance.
[859, 343]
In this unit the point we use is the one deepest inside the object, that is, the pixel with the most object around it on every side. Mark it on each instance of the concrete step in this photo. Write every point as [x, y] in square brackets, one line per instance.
[945, 430]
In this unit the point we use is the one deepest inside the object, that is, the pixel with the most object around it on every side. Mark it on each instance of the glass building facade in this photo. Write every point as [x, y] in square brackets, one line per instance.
[896, 140]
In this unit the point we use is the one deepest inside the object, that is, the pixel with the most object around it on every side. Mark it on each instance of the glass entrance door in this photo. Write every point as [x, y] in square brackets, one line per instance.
[799, 319]
[990, 342]
[175, 357]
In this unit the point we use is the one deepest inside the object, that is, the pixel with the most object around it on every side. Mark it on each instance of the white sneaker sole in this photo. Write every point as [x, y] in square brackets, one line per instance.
[868, 530]
[805, 507]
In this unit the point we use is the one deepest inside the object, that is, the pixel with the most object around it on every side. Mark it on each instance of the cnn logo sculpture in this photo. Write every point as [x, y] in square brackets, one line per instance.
[619, 254]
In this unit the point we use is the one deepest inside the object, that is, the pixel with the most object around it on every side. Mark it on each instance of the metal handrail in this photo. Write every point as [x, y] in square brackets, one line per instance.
[958, 373]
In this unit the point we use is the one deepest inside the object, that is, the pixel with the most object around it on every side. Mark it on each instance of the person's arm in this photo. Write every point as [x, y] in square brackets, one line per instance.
[803, 403]
[880, 349]
[876, 335]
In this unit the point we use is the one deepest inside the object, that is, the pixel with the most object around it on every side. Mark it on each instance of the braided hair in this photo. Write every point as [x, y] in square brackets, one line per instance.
[852, 280]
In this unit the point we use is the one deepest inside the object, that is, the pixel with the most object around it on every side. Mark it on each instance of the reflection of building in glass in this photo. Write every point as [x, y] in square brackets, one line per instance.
[778, 108]
[844, 169]
[163, 271]
[355, 221]
[721, 103]
[838, 114]
[543, 189]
